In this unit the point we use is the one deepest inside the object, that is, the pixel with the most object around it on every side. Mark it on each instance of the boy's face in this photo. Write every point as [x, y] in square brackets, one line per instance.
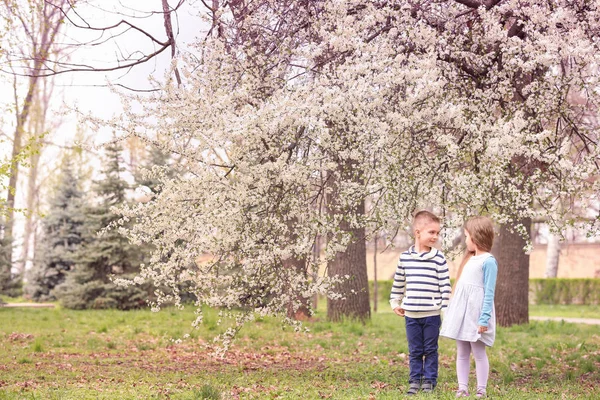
[427, 234]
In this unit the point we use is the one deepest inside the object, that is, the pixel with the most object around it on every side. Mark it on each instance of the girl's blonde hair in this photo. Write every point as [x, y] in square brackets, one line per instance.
[481, 230]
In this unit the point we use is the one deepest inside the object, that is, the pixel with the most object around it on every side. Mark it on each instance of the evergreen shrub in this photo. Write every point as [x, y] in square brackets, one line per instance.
[585, 291]
[581, 291]
[101, 257]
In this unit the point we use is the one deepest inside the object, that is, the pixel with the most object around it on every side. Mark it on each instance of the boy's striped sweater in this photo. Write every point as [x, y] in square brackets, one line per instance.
[421, 283]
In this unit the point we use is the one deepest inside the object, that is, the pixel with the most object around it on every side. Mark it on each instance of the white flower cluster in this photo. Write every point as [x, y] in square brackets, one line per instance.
[297, 113]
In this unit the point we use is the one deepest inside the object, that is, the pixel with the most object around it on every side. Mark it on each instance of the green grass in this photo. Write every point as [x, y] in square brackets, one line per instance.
[64, 354]
[8, 299]
[567, 311]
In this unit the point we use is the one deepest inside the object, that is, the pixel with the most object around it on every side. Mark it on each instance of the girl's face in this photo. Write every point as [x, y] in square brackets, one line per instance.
[470, 245]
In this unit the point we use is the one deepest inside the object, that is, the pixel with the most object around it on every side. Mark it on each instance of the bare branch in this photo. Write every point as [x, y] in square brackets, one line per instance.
[107, 28]
[64, 8]
[169, 31]
[470, 3]
[88, 68]
[476, 4]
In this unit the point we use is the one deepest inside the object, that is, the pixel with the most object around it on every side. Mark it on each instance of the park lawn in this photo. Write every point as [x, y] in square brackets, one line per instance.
[65, 354]
[565, 311]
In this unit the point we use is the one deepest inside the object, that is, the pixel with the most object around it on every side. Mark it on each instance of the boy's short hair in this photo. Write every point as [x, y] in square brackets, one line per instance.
[424, 216]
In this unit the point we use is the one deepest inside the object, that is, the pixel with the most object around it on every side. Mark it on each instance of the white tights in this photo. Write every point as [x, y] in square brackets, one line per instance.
[463, 364]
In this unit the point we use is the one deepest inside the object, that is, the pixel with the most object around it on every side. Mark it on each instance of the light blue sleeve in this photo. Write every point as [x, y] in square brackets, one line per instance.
[490, 273]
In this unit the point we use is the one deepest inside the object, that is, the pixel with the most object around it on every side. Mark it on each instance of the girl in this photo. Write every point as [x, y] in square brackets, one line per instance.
[470, 318]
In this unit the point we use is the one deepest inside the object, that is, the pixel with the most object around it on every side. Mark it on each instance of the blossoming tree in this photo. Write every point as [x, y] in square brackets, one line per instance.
[525, 78]
[292, 113]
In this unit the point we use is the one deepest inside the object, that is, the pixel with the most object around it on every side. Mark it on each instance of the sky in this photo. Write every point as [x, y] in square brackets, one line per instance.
[88, 92]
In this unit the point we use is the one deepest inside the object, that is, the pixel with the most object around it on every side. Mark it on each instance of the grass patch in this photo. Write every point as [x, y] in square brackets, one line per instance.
[8, 299]
[108, 354]
[566, 311]
[37, 346]
[208, 392]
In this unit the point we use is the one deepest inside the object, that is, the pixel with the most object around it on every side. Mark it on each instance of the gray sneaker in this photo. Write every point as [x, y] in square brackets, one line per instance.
[427, 387]
[413, 388]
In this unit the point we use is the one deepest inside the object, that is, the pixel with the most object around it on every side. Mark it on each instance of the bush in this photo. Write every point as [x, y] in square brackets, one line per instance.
[99, 295]
[383, 292]
[584, 291]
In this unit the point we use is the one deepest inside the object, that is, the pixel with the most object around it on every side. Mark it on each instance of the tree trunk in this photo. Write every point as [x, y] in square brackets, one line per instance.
[14, 167]
[512, 287]
[299, 306]
[552, 255]
[32, 199]
[302, 312]
[50, 20]
[169, 31]
[37, 129]
[355, 289]
[375, 288]
[315, 272]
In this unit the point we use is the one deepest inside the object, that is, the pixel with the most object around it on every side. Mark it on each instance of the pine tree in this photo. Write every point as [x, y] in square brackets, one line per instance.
[147, 174]
[61, 238]
[10, 283]
[157, 167]
[107, 255]
[4, 262]
[5, 266]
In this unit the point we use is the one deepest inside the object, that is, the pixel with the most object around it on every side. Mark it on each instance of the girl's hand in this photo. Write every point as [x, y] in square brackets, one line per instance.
[481, 329]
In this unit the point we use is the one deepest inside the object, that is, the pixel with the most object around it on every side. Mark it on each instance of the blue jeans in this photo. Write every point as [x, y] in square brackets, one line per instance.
[422, 335]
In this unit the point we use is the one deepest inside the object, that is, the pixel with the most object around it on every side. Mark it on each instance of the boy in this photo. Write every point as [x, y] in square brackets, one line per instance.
[420, 291]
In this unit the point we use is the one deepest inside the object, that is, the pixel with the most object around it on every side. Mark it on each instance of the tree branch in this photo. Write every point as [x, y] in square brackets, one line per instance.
[169, 31]
[476, 4]
[122, 64]
[86, 68]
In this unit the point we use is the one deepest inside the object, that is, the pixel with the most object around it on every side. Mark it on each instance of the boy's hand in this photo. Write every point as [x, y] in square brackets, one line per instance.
[481, 329]
[399, 311]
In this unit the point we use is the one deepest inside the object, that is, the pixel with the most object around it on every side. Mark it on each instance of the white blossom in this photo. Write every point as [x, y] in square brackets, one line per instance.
[425, 111]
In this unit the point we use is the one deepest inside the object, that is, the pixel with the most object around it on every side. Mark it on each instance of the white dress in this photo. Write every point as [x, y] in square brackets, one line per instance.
[462, 317]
